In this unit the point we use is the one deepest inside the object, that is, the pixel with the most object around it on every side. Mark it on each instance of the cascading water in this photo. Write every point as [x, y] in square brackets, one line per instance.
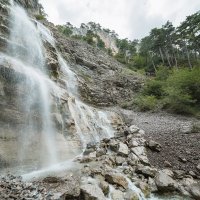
[91, 124]
[37, 143]
[25, 54]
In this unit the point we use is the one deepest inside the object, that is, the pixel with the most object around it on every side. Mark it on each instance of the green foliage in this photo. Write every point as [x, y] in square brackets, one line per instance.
[100, 43]
[155, 88]
[178, 101]
[146, 103]
[120, 57]
[65, 29]
[176, 90]
[163, 73]
[40, 17]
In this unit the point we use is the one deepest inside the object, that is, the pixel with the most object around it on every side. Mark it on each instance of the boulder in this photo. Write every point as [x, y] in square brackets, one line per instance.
[145, 189]
[133, 129]
[198, 167]
[91, 147]
[101, 152]
[164, 182]
[118, 179]
[179, 173]
[91, 192]
[146, 171]
[135, 142]
[130, 195]
[114, 145]
[140, 152]
[123, 149]
[154, 146]
[117, 195]
[195, 190]
[104, 186]
[168, 172]
[152, 185]
[63, 188]
[132, 159]
[167, 164]
[120, 160]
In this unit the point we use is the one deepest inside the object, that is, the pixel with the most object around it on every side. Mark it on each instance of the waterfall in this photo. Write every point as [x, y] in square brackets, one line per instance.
[91, 124]
[36, 143]
[25, 55]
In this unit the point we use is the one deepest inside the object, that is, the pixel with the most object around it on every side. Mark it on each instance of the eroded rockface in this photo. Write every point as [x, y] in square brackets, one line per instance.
[103, 81]
[14, 88]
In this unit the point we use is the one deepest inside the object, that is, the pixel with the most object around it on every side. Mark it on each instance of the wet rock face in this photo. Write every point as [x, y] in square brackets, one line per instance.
[91, 192]
[116, 179]
[165, 182]
[32, 6]
[102, 80]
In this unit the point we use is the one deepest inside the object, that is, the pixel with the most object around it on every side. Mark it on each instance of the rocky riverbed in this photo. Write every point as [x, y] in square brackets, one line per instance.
[115, 168]
[178, 136]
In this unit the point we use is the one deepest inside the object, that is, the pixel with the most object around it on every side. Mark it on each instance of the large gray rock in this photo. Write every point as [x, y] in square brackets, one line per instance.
[104, 186]
[155, 146]
[118, 179]
[140, 152]
[195, 190]
[145, 189]
[130, 195]
[198, 167]
[132, 159]
[117, 195]
[164, 182]
[146, 171]
[133, 129]
[91, 192]
[123, 149]
[120, 160]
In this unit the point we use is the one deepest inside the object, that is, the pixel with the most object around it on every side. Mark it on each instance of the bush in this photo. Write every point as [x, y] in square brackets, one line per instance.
[178, 101]
[163, 73]
[176, 90]
[146, 103]
[155, 88]
[40, 17]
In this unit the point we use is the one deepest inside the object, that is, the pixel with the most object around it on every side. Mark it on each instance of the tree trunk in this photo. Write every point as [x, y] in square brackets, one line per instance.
[154, 66]
[168, 60]
[188, 56]
[161, 54]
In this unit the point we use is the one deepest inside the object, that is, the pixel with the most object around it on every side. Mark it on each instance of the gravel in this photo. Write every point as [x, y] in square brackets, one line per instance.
[181, 150]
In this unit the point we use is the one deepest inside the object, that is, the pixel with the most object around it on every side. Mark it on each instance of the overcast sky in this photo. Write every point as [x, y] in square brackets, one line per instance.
[129, 18]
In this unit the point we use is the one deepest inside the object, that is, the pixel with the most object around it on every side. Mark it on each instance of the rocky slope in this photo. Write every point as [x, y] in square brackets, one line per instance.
[103, 80]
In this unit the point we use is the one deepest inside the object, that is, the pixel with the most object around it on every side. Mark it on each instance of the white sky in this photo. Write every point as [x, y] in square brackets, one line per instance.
[129, 18]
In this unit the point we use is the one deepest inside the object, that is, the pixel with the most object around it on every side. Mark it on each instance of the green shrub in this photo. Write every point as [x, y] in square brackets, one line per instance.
[176, 90]
[178, 101]
[40, 17]
[146, 103]
[155, 88]
[163, 73]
